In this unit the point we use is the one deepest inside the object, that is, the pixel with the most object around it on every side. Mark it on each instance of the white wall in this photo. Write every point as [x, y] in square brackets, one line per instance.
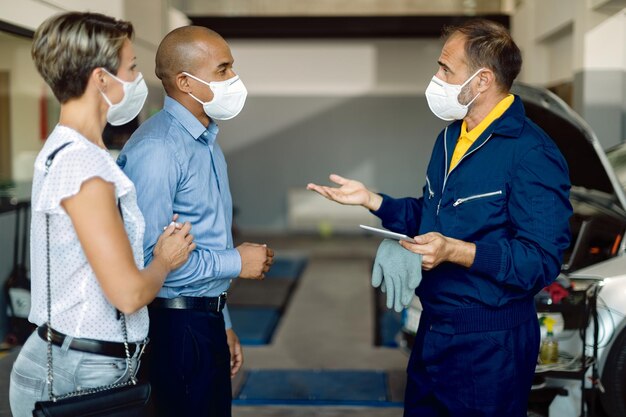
[570, 34]
[582, 42]
[604, 45]
[338, 69]
[544, 32]
[547, 46]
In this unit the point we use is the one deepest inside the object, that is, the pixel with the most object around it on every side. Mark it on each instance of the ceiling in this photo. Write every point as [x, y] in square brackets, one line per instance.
[248, 8]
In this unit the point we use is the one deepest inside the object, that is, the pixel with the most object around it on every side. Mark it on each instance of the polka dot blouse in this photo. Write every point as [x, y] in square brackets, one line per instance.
[79, 307]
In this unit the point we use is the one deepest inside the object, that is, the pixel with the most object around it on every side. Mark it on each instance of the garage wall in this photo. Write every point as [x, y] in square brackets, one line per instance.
[383, 141]
[356, 108]
[580, 43]
[601, 84]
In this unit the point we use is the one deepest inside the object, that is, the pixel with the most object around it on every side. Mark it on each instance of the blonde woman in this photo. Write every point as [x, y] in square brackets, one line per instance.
[95, 227]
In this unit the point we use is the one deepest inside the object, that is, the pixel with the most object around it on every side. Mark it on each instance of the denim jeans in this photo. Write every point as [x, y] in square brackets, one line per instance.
[73, 370]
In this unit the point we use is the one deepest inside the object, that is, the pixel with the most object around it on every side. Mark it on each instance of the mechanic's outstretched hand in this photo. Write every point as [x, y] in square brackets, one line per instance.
[350, 192]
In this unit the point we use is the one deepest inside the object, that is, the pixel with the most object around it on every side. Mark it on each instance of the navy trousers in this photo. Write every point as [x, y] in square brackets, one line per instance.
[486, 374]
[189, 363]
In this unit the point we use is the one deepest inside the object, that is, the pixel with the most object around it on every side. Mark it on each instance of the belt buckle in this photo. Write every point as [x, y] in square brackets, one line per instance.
[224, 296]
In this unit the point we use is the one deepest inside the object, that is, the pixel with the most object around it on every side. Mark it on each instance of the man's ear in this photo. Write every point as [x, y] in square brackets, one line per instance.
[181, 83]
[486, 79]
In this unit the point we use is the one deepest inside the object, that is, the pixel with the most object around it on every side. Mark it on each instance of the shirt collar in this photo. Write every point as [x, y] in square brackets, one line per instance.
[190, 123]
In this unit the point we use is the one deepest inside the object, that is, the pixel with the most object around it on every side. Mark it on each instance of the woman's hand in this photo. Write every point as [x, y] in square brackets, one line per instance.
[174, 245]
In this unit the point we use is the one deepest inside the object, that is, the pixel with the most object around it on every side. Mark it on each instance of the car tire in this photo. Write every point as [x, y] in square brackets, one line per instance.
[614, 379]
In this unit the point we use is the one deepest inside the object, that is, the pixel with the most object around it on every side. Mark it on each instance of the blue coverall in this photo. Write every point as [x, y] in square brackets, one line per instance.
[476, 347]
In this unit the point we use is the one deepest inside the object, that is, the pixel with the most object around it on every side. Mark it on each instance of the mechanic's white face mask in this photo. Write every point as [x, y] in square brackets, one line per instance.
[443, 98]
[228, 98]
[135, 93]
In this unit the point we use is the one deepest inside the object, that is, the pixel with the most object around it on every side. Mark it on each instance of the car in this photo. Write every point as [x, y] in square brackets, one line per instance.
[596, 258]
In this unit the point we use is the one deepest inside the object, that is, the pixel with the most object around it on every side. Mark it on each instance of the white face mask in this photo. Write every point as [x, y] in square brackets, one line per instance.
[443, 98]
[135, 93]
[228, 98]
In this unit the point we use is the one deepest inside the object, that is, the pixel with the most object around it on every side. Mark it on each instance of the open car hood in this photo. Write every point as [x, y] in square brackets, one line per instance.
[590, 172]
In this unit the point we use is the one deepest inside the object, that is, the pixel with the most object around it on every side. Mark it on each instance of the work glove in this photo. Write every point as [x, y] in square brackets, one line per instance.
[397, 272]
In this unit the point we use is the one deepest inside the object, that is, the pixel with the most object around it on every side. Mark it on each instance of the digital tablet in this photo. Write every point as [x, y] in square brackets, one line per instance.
[387, 233]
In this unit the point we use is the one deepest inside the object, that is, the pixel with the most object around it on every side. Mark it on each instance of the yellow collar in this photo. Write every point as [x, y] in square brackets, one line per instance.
[495, 113]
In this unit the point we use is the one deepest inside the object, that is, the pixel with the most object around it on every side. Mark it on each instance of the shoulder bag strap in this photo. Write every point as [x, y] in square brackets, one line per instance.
[122, 317]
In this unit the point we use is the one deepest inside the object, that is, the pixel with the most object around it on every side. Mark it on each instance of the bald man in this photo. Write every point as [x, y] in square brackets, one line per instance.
[178, 168]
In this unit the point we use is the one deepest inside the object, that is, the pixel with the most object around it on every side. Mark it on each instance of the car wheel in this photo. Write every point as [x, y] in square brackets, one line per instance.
[614, 379]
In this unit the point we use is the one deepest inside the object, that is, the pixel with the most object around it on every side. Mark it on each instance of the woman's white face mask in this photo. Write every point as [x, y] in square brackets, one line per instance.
[135, 93]
[229, 97]
[443, 98]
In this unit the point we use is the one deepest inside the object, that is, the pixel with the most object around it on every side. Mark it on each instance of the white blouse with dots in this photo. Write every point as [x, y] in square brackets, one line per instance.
[79, 307]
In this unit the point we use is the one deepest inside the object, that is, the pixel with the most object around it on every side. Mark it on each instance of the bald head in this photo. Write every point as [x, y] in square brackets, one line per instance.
[187, 48]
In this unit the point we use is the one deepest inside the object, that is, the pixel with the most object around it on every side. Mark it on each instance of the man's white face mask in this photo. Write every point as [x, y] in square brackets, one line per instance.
[443, 98]
[228, 97]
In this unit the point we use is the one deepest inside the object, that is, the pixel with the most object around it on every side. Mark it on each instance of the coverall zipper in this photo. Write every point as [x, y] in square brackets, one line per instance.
[475, 197]
[445, 147]
[431, 193]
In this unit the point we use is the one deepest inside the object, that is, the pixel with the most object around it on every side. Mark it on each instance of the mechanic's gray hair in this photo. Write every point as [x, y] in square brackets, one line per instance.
[489, 45]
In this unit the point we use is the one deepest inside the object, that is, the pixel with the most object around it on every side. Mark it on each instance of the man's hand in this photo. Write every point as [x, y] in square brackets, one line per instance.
[256, 260]
[436, 248]
[236, 353]
[351, 192]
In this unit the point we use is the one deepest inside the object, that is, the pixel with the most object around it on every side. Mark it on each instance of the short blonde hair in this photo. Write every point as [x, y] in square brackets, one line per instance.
[68, 47]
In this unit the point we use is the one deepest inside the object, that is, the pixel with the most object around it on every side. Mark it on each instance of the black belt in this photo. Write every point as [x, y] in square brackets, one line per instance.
[192, 303]
[99, 347]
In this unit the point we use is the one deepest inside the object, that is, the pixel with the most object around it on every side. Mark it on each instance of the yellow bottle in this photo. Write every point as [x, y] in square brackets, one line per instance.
[549, 352]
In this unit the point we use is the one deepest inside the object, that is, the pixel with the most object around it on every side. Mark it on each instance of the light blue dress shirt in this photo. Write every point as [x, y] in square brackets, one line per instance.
[177, 166]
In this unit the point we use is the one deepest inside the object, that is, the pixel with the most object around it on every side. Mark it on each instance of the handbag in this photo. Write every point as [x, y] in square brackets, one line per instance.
[127, 399]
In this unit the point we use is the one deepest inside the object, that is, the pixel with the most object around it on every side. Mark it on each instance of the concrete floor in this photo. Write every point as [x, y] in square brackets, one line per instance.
[328, 324]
